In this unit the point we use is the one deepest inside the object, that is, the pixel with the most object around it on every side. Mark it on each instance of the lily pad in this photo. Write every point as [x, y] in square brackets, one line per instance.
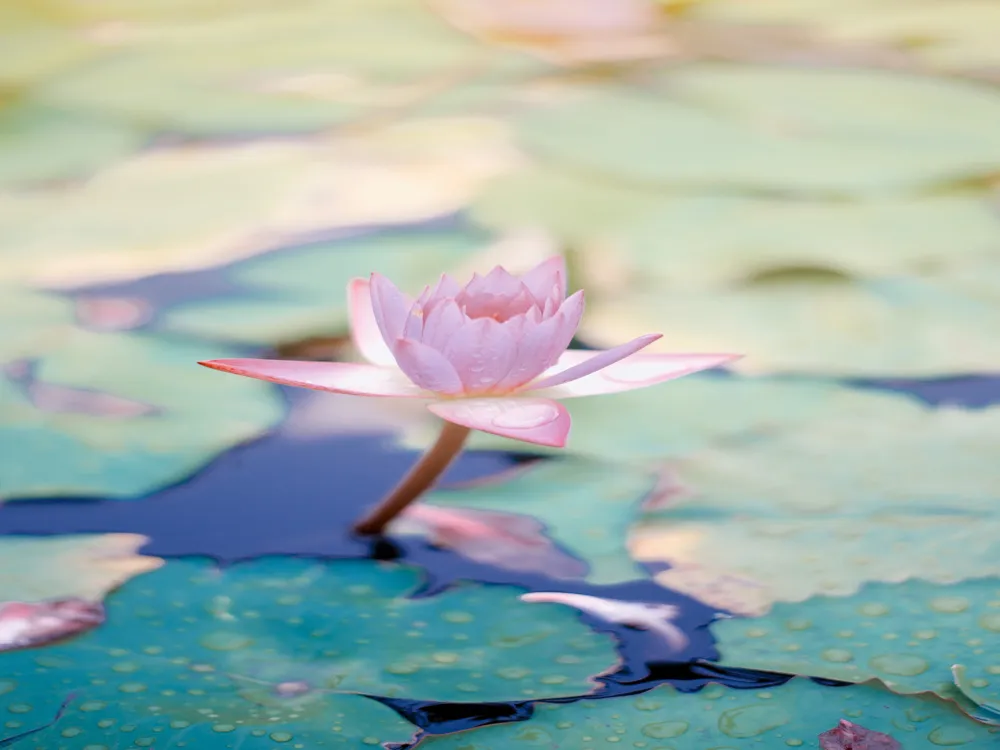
[42, 144]
[120, 415]
[823, 508]
[792, 715]
[582, 506]
[297, 68]
[630, 238]
[230, 202]
[817, 321]
[645, 426]
[906, 634]
[35, 569]
[241, 637]
[302, 292]
[771, 128]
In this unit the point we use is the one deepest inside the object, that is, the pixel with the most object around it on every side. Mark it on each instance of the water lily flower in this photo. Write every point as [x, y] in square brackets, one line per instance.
[491, 355]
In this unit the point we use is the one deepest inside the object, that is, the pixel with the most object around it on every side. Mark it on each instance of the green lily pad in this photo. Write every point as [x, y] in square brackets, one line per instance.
[582, 506]
[791, 715]
[770, 128]
[298, 68]
[633, 238]
[906, 634]
[300, 293]
[125, 414]
[279, 636]
[40, 143]
[817, 321]
[87, 566]
[230, 202]
[35, 51]
[823, 508]
[645, 426]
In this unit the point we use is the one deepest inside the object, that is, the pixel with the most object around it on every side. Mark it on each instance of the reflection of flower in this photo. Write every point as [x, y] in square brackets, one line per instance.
[492, 354]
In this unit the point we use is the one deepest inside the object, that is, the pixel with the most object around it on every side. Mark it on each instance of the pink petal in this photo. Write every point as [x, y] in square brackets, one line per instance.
[532, 420]
[547, 279]
[597, 361]
[427, 367]
[447, 288]
[339, 377]
[364, 328]
[442, 320]
[498, 282]
[541, 343]
[390, 307]
[630, 373]
[483, 352]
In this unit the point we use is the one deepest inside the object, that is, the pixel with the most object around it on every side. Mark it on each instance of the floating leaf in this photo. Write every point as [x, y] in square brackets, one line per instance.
[791, 715]
[630, 238]
[41, 144]
[294, 68]
[647, 425]
[178, 418]
[906, 634]
[34, 569]
[233, 201]
[770, 128]
[823, 508]
[584, 508]
[813, 320]
[243, 636]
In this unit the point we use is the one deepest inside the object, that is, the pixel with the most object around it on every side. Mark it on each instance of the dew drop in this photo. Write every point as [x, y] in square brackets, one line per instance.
[990, 622]
[950, 604]
[526, 416]
[752, 721]
[951, 736]
[903, 665]
[662, 730]
[281, 736]
[224, 641]
[873, 609]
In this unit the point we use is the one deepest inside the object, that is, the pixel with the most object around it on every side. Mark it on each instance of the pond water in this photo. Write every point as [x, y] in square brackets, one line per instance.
[742, 558]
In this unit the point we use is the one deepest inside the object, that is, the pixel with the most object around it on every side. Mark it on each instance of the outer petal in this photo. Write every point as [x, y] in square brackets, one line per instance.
[597, 361]
[427, 367]
[364, 328]
[390, 307]
[636, 371]
[532, 420]
[339, 377]
[547, 277]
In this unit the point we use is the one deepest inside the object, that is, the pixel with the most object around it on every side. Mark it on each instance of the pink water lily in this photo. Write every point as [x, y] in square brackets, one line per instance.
[492, 355]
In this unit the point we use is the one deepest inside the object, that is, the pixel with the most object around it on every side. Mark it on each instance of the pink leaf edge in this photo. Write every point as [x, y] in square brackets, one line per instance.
[337, 377]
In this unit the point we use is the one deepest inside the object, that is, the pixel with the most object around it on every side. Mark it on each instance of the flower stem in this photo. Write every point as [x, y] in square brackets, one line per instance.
[423, 474]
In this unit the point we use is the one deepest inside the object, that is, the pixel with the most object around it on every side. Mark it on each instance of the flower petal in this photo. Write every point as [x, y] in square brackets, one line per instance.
[339, 377]
[597, 361]
[427, 367]
[541, 343]
[364, 328]
[390, 307]
[483, 352]
[531, 420]
[442, 320]
[630, 373]
[546, 278]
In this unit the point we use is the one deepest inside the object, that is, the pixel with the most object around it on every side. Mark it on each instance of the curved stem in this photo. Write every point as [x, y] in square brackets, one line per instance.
[423, 474]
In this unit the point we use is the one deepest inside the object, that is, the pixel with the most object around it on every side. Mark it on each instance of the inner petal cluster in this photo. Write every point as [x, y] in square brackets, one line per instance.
[491, 337]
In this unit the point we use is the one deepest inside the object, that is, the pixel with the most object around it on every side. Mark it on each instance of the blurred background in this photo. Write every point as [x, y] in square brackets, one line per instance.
[811, 182]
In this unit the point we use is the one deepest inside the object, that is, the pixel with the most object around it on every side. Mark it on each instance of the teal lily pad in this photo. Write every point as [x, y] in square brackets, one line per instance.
[823, 507]
[582, 506]
[792, 715]
[120, 415]
[769, 128]
[906, 634]
[276, 643]
[303, 292]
